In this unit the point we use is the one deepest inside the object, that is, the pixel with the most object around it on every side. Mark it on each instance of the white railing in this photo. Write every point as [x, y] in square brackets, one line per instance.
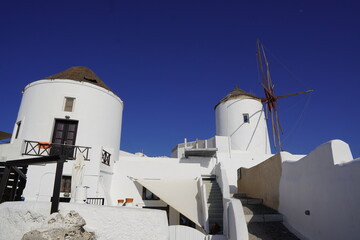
[205, 210]
[179, 232]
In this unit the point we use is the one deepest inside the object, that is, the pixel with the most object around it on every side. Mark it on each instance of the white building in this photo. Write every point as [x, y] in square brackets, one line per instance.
[74, 112]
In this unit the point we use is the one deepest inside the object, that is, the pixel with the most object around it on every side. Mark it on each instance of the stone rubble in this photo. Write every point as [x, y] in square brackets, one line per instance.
[57, 227]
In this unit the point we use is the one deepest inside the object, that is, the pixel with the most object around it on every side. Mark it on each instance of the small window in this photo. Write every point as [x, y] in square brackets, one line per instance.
[69, 104]
[18, 124]
[246, 118]
[147, 195]
[65, 185]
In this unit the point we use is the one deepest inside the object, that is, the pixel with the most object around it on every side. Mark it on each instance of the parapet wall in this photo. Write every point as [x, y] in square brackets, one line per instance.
[262, 181]
[319, 194]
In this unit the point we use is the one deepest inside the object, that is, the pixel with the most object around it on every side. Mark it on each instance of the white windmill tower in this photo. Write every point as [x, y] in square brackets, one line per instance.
[72, 110]
[241, 115]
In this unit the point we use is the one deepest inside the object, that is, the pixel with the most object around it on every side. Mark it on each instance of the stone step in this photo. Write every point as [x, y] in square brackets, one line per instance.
[215, 198]
[258, 209]
[254, 211]
[216, 212]
[214, 215]
[213, 204]
[263, 218]
[251, 201]
[269, 230]
[239, 195]
[216, 237]
[214, 193]
[263, 222]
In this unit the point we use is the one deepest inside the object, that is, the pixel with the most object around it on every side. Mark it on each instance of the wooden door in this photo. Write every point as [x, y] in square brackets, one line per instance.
[64, 137]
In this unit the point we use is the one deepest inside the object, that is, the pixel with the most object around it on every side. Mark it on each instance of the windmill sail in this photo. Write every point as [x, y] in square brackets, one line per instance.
[270, 100]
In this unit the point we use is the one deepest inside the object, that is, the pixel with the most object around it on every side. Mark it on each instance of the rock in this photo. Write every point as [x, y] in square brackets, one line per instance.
[73, 219]
[57, 227]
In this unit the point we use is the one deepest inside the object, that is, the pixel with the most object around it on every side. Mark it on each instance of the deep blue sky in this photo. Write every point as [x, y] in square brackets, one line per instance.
[172, 61]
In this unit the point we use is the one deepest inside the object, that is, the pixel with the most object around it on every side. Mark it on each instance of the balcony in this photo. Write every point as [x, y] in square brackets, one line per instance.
[33, 148]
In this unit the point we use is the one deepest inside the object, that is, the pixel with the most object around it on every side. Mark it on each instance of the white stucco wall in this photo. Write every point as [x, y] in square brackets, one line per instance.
[325, 182]
[99, 115]
[251, 136]
[98, 111]
[11, 151]
[108, 223]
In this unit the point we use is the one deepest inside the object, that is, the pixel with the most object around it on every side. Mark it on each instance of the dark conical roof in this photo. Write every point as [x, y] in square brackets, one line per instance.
[237, 93]
[82, 74]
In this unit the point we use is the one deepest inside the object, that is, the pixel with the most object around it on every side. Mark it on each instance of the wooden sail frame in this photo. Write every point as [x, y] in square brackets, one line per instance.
[270, 100]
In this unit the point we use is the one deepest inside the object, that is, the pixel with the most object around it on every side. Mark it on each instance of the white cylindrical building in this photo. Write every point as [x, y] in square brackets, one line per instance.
[76, 98]
[240, 116]
[72, 110]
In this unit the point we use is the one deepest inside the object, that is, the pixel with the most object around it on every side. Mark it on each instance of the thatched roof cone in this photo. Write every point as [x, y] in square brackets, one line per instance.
[82, 74]
[237, 93]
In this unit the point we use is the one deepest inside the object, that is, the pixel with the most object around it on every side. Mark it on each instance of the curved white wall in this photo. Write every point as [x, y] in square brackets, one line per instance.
[325, 183]
[97, 110]
[252, 136]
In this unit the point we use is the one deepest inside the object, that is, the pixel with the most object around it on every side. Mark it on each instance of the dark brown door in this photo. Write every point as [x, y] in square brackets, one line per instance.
[64, 137]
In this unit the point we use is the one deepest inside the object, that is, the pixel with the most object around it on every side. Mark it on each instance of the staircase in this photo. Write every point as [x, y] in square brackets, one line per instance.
[263, 222]
[215, 204]
[14, 186]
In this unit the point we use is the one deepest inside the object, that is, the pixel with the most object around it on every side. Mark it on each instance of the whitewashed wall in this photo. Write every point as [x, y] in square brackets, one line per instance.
[99, 115]
[179, 232]
[108, 223]
[325, 182]
[252, 136]
[98, 111]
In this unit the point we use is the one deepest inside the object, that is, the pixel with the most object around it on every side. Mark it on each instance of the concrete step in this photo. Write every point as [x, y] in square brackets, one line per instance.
[216, 210]
[264, 218]
[214, 198]
[239, 195]
[251, 201]
[264, 223]
[214, 215]
[269, 230]
[258, 209]
[216, 237]
[214, 205]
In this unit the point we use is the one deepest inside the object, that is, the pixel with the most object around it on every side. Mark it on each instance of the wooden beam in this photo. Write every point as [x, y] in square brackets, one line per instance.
[33, 161]
[18, 171]
[56, 190]
[3, 182]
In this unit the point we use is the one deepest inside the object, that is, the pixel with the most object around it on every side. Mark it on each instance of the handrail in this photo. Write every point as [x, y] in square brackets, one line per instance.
[35, 148]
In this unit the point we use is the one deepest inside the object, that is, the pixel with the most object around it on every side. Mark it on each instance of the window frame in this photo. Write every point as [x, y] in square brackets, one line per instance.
[66, 105]
[246, 118]
[18, 125]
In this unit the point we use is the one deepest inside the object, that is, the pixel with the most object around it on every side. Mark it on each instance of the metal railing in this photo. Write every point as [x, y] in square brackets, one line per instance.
[105, 157]
[34, 148]
[95, 201]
